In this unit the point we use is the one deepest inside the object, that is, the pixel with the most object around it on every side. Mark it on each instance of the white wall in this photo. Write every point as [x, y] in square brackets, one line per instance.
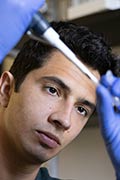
[86, 158]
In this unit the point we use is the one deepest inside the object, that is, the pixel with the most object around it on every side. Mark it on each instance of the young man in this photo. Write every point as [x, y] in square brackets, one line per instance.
[45, 100]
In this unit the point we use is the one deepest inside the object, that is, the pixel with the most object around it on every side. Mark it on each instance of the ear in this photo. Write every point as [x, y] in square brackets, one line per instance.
[6, 85]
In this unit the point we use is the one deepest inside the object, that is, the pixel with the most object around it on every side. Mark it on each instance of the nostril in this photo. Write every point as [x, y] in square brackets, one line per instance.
[57, 123]
[60, 124]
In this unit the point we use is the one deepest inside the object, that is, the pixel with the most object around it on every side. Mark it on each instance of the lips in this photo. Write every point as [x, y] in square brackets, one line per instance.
[48, 139]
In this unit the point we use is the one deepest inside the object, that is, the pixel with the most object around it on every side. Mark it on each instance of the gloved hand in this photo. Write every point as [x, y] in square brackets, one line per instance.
[15, 16]
[110, 118]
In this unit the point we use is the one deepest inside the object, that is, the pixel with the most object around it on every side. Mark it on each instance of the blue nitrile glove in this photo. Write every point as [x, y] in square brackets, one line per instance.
[109, 118]
[15, 16]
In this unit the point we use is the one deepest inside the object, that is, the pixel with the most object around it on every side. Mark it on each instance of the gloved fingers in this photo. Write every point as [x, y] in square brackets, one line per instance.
[108, 118]
[115, 88]
[37, 3]
[106, 114]
[15, 16]
[104, 103]
[33, 5]
[108, 79]
[113, 84]
[26, 5]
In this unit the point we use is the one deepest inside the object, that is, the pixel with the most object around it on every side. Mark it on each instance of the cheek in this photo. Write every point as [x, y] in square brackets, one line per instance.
[24, 114]
[74, 131]
[34, 110]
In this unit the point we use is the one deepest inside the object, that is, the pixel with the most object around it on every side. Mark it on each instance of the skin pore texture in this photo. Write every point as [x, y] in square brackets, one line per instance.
[50, 109]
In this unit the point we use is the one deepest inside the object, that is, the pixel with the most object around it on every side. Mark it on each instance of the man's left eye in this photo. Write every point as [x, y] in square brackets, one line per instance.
[82, 111]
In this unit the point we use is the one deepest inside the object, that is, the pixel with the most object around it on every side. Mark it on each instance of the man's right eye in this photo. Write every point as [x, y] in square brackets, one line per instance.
[53, 91]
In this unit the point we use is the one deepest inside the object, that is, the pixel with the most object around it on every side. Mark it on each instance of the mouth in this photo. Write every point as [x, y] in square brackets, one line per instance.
[48, 139]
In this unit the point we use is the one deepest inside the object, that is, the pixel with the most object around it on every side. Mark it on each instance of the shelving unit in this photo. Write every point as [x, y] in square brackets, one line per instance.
[90, 7]
[99, 15]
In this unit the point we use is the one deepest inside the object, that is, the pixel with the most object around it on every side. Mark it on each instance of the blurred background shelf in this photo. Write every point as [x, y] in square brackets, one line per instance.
[99, 15]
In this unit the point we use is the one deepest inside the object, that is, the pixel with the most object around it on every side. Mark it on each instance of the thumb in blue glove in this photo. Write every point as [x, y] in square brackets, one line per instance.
[109, 118]
[15, 16]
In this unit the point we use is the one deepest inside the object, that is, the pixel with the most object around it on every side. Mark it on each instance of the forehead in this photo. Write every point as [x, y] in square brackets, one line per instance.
[58, 63]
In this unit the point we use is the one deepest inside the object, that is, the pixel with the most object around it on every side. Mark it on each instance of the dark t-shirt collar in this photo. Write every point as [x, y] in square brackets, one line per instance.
[44, 175]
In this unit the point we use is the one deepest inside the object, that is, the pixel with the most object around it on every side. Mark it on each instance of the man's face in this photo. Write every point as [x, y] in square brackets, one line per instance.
[51, 108]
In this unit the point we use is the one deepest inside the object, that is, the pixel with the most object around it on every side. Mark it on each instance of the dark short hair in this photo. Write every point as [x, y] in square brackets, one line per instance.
[89, 46]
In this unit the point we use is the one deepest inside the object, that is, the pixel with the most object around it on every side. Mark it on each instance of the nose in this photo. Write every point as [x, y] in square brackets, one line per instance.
[61, 117]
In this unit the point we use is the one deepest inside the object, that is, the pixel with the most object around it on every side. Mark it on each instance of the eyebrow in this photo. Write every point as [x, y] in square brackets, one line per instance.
[65, 87]
[57, 81]
[88, 103]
